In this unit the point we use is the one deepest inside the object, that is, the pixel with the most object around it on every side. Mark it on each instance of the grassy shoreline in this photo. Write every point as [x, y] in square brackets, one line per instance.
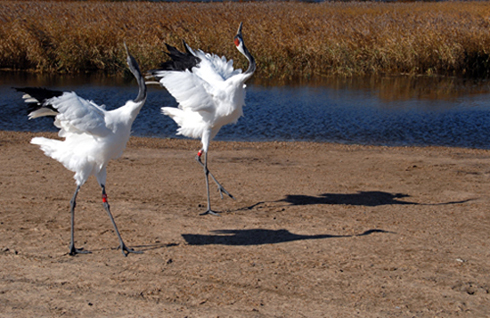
[288, 39]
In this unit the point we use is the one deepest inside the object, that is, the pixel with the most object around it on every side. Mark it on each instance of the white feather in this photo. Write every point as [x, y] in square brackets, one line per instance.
[77, 115]
[42, 112]
[210, 96]
[30, 99]
[93, 136]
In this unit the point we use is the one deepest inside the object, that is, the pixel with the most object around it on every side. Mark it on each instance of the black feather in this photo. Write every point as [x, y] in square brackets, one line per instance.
[41, 95]
[179, 61]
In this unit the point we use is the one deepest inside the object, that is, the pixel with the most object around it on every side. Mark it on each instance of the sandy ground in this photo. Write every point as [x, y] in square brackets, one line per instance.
[317, 230]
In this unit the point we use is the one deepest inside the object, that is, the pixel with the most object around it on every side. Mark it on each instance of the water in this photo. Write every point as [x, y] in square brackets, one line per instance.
[395, 111]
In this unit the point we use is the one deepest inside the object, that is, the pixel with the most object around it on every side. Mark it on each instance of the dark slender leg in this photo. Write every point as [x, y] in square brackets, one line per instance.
[206, 174]
[220, 187]
[73, 203]
[125, 250]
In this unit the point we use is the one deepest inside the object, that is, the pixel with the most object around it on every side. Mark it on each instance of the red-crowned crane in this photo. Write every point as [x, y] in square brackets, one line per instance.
[210, 94]
[92, 136]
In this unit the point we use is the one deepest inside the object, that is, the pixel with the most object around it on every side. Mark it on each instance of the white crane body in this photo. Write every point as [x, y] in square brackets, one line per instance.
[209, 91]
[92, 136]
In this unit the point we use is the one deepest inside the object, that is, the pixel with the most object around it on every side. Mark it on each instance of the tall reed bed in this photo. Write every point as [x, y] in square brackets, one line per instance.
[288, 39]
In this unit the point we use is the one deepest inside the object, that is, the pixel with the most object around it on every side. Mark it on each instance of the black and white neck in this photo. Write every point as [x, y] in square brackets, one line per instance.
[134, 68]
[240, 45]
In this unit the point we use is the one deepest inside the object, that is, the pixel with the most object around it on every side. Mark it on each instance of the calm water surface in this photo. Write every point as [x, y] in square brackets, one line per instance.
[390, 111]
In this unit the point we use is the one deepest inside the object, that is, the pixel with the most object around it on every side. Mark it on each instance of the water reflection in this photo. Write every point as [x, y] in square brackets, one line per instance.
[372, 110]
[60, 80]
[394, 88]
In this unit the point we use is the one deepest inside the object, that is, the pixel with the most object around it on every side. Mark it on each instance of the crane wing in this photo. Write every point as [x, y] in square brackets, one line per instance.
[199, 87]
[189, 90]
[78, 115]
[73, 113]
[214, 69]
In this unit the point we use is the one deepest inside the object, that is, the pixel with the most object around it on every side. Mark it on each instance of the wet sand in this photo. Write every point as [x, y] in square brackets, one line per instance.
[317, 230]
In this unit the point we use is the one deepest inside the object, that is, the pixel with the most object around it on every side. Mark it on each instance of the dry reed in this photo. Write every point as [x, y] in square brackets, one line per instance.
[288, 39]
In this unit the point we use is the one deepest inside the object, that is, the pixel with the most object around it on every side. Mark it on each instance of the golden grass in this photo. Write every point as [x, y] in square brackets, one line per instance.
[288, 39]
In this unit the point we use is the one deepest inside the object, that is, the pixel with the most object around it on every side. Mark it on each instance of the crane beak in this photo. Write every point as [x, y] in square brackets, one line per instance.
[239, 32]
[130, 59]
[126, 47]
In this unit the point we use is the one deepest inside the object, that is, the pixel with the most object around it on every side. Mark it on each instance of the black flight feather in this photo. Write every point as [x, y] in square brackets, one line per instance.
[179, 61]
[41, 95]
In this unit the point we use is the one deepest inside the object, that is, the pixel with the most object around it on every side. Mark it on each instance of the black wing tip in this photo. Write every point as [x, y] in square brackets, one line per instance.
[39, 93]
[155, 74]
[179, 61]
[171, 48]
[39, 97]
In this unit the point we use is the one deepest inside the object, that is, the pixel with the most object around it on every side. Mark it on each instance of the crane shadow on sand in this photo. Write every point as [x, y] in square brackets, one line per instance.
[261, 236]
[249, 237]
[361, 198]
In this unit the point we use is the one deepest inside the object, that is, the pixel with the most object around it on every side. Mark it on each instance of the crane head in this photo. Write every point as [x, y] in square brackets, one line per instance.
[238, 39]
[135, 69]
[240, 45]
[132, 64]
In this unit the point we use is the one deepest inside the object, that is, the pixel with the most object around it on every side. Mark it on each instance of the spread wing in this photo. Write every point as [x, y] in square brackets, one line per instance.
[215, 68]
[73, 113]
[195, 79]
[189, 90]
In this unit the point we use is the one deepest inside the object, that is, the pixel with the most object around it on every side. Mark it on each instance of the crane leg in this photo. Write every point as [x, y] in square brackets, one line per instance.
[220, 187]
[73, 203]
[206, 174]
[125, 250]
